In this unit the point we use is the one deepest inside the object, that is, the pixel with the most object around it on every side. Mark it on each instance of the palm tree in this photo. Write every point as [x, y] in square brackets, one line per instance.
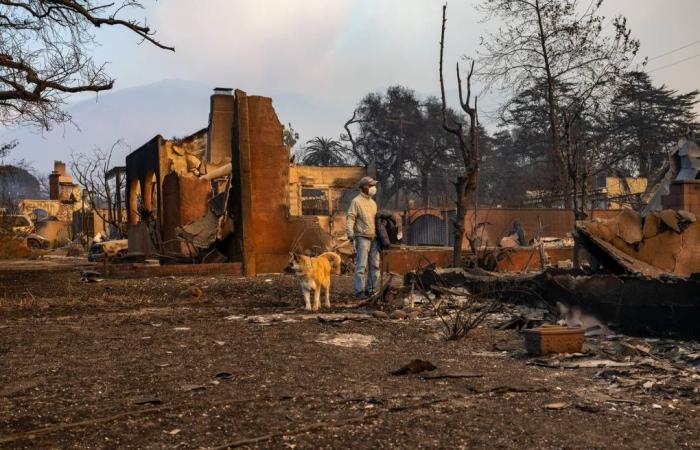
[322, 151]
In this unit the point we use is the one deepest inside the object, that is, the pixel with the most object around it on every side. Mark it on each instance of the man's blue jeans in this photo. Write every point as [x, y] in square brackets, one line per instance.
[366, 255]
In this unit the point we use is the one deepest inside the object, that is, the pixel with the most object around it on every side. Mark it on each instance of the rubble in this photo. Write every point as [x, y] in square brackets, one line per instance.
[90, 276]
[666, 366]
[657, 306]
[628, 365]
[230, 193]
[201, 233]
[665, 242]
[269, 319]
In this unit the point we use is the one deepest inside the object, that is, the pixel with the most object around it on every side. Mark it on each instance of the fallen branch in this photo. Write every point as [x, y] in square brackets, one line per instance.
[502, 389]
[440, 376]
[454, 292]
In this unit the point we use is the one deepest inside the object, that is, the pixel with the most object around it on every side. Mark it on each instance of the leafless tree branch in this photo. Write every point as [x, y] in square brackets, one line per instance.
[44, 54]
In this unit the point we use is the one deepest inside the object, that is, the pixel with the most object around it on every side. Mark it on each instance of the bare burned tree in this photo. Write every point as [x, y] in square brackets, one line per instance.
[467, 183]
[44, 54]
[91, 173]
[566, 45]
[354, 145]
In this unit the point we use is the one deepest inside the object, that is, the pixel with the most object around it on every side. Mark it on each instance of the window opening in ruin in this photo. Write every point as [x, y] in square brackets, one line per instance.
[150, 194]
[135, 201]
[154, 197]
[314, 202]
[325, 200]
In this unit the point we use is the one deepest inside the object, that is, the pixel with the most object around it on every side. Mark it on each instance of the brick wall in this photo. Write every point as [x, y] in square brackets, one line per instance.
[264, 230]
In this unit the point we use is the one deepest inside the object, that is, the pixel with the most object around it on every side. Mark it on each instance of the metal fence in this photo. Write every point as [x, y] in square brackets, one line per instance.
[429, 229]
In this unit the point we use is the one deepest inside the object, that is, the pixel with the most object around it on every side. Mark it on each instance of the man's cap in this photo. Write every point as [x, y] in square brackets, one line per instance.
[368, 181]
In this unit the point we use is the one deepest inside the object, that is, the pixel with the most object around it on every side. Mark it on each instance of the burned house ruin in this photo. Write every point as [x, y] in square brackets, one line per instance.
[229, 192]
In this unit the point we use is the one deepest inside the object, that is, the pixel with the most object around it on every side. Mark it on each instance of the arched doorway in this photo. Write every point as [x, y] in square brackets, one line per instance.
[135, 197]
[151, 193]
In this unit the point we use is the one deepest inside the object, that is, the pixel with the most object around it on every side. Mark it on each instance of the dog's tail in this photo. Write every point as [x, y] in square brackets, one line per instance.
[332, 258]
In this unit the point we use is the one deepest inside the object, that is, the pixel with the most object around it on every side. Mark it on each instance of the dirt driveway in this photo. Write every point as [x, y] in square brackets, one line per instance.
[141, 363]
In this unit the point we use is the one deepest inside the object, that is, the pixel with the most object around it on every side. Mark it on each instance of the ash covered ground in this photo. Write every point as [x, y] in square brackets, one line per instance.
[148, 363]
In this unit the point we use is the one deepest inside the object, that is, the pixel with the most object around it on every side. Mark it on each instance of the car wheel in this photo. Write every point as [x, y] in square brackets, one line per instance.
[33, 243]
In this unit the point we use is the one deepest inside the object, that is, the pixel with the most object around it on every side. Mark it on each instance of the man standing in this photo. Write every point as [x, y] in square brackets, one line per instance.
[360, 228]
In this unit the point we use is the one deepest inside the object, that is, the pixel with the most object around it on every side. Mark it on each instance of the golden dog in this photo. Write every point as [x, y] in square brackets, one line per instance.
[315, 273]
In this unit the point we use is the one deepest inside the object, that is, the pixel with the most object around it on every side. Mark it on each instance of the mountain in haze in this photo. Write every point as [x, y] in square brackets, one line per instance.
[168, 107]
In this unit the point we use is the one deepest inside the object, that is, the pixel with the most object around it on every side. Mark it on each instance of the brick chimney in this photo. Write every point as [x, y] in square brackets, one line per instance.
[59, 170]
[220, 126]
[684, 191]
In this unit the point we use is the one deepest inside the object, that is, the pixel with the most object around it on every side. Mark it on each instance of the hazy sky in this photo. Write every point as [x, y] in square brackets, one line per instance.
[337, 50]
[332, 52]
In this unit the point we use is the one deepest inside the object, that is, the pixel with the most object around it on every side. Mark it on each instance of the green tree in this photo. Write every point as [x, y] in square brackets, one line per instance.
[402, 134]
[646, 121]
[435, 162]
[386, 132]
[321, 151]
[290, 135]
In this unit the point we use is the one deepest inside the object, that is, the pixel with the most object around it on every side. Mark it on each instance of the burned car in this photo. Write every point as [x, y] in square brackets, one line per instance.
[37, 241]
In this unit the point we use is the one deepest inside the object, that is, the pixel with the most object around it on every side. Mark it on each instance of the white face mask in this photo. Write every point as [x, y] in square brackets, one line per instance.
[372, 191]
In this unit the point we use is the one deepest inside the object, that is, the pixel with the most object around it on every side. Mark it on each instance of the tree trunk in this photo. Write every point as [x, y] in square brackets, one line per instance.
[460, 187]
[468, 182]
[558, 174]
